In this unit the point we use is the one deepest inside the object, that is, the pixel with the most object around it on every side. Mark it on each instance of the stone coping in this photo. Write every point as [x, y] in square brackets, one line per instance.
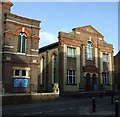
[24, 94]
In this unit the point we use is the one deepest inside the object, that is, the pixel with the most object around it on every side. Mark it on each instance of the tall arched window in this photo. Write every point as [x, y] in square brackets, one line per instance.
[22, 42]
[89, 50]
[53, 69]
[42, 62]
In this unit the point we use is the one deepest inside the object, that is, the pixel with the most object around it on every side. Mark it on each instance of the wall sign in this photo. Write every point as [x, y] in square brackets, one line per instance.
[17, 82]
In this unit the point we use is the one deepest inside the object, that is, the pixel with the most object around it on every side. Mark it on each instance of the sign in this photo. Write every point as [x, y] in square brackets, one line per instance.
[20, 82]
[95, 87]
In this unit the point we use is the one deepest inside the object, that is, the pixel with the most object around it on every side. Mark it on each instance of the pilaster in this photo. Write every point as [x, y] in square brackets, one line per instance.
[101, 66]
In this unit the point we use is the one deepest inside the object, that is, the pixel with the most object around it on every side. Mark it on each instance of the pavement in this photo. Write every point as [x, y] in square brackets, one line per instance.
[103, 107]
[71, 105]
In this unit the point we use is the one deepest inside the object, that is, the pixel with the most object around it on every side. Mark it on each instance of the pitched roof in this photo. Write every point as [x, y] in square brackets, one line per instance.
[51, 46]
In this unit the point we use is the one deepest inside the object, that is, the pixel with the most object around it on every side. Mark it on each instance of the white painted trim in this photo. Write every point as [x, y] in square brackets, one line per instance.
[20, 77]
[32, 55]
[6, 46]
[19, 53]
[24, 54]
[34, 50]
[22, 23]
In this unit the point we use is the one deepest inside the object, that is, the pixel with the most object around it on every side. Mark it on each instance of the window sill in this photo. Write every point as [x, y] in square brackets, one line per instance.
[71, 57]
[71, 84]
[107, 84]
[90, 59]
[21, 77]
[21, 53]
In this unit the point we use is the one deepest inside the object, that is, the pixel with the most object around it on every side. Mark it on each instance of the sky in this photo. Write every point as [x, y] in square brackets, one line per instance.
[64, 16]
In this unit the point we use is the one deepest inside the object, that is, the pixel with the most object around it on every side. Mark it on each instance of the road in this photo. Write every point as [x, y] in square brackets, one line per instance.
[63, 106]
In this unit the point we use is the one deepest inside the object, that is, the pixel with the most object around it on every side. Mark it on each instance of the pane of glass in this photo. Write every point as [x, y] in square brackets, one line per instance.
[70, 79]
[73, 72]
[67, 51]
[17, 72]
[73, 79]
[23, 44]
[19, 43]
[70, 72]
[70, 52]
[89, 51]
[73, 54]
[23, 73]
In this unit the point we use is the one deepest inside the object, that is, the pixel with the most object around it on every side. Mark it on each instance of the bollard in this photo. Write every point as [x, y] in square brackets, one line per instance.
[93, 104]
[116, 108]
[112, 100]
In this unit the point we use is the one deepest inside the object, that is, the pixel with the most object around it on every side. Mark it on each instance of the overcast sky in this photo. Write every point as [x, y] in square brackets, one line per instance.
[64, 16]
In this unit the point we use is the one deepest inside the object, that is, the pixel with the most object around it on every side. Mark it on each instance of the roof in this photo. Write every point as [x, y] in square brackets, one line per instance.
[48, 47]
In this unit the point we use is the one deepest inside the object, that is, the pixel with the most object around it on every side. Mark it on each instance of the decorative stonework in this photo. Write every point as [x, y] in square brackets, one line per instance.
[35, 38]
[9, 34]
[25, 30]
[56, 88]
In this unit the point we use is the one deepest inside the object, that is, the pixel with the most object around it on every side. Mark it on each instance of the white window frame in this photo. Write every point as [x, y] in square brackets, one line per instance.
[89, 50]
[20, 72]
[105, 78]
[71, 52]
[54, 66]
[42, 63]
[21, 39]
[105, 57]
[73, 77]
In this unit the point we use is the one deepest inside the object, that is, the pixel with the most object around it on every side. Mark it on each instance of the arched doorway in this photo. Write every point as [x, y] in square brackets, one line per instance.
[94, 82]
[88, 82]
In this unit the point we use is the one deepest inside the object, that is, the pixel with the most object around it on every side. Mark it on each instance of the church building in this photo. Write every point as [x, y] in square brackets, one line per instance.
[80, 61]
[20, 59]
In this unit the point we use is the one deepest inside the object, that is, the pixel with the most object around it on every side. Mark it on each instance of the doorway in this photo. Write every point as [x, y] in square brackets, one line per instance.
[88, 82]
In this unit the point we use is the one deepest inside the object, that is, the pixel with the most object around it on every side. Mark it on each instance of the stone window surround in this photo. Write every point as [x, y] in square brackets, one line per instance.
[27, 69]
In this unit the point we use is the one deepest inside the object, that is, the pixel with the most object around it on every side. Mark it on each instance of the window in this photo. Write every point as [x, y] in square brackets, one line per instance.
[105, 58]
[89, 51]
[17, 72]
[42, 70]
[71, 77]
[70, 52]
[21, 73]
[105, 78]
[22, 42]
[54, 69]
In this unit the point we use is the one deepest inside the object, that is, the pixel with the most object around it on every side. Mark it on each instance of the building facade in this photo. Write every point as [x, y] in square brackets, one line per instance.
[80, 61]
[20, 60]
[117, 70]
[83, 61]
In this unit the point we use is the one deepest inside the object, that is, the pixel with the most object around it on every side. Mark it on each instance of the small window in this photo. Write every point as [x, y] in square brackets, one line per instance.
[23, 73]
[105, 58]
[89, 51]
[54, 60]
[71, 77]
[17, 72]
[42, 62]
[71, 52]
[105, 78]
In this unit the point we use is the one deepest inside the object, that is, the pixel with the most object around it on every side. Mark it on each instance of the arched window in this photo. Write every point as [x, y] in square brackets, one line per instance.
[22, 42]
[89, 50]
[42, 62]
[53, 69]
